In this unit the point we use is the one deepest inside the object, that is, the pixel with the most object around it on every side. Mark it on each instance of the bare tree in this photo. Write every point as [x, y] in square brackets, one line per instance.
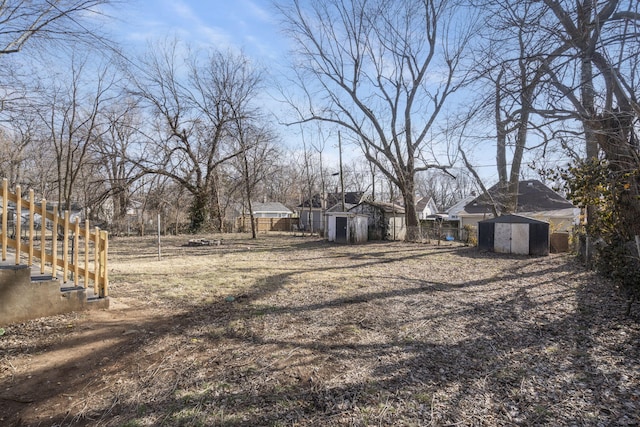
[14, 149]
[285, 182]
[557, 66]
[122, 122]
[195, 103]
[22, 21]
[369, 67]
[37, 24]
[582, 59]
[357, 176]
[509, 75]
[254, 163]
[70, 113]
[444, 189]
[604, 43]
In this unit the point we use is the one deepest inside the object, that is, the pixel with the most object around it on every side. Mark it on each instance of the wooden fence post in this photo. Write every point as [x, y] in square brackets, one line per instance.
[104, 247]
[18, 222]
[76, 250]
[5, 211]
[54, 245]
[43, 234]
[87, 235]
[65, 247]
[31, 222]
[96, 262]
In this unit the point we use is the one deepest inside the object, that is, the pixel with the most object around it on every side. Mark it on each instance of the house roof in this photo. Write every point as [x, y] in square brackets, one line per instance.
[385, 206]
[350, 197]
[423, 202]
[533, 196]
[459, 205]
[271, 207]
[338, 207]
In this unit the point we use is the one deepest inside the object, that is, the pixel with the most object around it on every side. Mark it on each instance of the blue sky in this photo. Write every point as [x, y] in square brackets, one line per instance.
[250, 25]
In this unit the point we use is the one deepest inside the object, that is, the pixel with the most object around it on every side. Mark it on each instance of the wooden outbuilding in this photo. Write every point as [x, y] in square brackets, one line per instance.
[514, 234]
[385, 220]
[346, 227]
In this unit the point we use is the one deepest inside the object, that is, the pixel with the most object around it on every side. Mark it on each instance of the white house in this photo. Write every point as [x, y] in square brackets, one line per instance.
[271, 210]
[425, 206]
[453, 213]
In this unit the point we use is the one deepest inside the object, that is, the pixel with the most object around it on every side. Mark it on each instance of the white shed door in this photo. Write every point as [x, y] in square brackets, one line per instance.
[331, 228]
[520, 239]
[511, 238]
[502, 238]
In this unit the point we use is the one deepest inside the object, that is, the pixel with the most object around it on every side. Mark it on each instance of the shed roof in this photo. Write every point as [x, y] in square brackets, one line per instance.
[350, 197]
[385, 206]
[338, 207]
[513, 219]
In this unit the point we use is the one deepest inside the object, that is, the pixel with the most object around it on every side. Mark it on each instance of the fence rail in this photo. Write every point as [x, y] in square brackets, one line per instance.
[264, 225]
[87, 257]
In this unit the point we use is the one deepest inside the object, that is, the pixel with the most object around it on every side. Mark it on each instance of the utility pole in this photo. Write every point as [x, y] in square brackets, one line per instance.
[341, 172]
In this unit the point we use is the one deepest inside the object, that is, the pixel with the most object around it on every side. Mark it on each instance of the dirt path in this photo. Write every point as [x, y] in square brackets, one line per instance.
[49, 364]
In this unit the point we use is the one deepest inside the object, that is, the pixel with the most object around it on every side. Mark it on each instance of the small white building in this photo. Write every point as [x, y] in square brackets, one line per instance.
[426, 207]
[346, 227]
[271, 210]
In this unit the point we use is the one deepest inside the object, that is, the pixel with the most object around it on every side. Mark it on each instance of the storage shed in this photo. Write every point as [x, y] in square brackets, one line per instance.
[385, 220]
[346, 227]
[514, 234]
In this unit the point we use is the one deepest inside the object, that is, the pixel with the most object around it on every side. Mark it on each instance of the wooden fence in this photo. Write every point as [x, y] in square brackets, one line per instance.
[264, 225]
[86, 258]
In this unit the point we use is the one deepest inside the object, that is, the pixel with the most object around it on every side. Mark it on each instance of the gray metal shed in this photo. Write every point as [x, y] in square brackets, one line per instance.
[514, 234]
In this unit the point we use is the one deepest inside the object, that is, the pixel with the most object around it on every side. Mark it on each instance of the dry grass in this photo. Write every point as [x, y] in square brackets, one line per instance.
[295, 331]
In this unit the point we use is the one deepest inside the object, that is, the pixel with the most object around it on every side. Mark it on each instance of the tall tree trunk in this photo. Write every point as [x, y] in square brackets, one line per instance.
[199, 210]
[616, 138]
[501, 132]
[412, 224]
[588, 101]
[215, 218]
[247, 187]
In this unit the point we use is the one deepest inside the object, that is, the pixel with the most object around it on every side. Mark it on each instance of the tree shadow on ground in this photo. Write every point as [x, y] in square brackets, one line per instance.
[452, 356]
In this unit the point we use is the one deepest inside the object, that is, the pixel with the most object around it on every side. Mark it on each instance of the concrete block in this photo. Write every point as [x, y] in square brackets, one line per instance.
[23, 299]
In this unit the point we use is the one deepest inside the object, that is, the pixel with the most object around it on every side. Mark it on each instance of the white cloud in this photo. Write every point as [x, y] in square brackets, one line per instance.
[171, 18]
[243, 24]
[258, 12]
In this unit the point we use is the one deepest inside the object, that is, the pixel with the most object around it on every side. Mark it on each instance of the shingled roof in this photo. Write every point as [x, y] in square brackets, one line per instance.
[350, 198]
[422, 203]
[533, 196]
[270, 207]
[384, 206]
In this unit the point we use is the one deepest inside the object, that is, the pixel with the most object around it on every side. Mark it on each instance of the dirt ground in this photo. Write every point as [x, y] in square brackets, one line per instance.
[295, 331]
